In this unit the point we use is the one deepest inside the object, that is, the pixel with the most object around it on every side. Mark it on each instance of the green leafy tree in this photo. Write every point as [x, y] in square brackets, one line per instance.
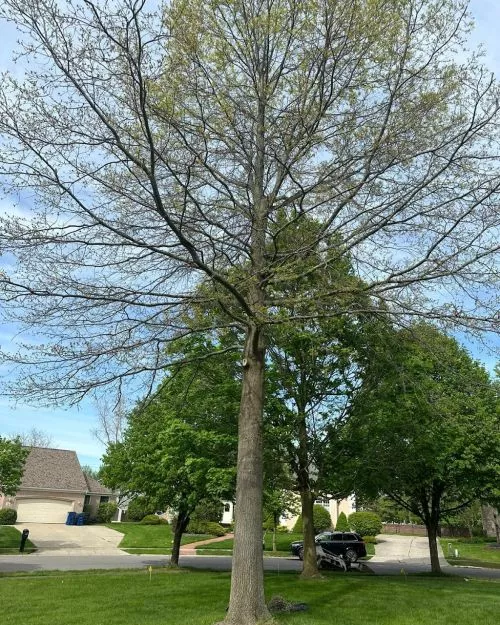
[183, 133]
[426, 429]
[180, 448]
[12, 458]
[278, 502]
[342, 525]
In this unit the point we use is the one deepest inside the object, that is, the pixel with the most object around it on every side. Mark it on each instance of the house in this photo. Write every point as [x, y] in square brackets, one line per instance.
[334, 507]
[54, 484]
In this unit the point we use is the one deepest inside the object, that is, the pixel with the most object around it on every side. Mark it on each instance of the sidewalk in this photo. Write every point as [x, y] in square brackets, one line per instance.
[190, 549]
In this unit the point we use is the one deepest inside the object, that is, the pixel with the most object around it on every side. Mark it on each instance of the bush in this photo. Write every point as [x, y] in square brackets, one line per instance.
[8, 516]
[106, 511]
[342, 524]
[370, 540]
[140, 507]
[321, 519]
[205, 527]
[365, 523]
[153, 519]
[208, 510]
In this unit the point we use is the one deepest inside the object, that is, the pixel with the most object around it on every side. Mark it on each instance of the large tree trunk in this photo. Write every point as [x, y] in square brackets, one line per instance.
[180, 527]
[247, 603]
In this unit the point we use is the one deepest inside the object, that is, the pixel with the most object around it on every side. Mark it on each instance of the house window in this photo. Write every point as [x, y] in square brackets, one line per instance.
[104, 499]
[323, 501]
[87, 500]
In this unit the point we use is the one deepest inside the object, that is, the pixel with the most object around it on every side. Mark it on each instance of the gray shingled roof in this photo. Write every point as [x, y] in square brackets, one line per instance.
[53, 468]
[96, 487]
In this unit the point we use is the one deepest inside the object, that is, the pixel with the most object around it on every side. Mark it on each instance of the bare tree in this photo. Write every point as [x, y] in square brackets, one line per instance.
[111, 420]
[163, 150]
[35, 438]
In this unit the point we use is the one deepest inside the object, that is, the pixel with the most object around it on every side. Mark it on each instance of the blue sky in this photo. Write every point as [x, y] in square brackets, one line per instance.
[71, 428]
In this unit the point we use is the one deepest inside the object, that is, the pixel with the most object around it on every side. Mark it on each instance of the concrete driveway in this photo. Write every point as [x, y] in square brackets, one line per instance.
[58, 540]
[397, 549]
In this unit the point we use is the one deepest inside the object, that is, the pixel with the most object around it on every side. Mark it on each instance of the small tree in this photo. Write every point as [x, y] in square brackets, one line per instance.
[180, 447]
[342, 525]
[321, 520]
[12, 458]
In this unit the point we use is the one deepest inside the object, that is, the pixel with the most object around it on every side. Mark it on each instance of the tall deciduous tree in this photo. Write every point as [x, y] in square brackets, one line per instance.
[425, 429]
[12, 458]
[159, 148]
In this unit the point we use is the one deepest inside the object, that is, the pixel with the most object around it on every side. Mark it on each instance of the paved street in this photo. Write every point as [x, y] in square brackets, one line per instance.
[396, 555]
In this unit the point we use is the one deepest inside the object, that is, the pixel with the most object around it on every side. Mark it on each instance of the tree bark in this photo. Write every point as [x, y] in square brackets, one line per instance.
[247, 604]
[432, 532]
[310, 567]
[180, 527]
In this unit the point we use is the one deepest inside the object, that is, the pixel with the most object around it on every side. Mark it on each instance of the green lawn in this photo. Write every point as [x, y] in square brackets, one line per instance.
[10, 538]
[471, 553]
[200, 598]
[150, 538]
[283, 542]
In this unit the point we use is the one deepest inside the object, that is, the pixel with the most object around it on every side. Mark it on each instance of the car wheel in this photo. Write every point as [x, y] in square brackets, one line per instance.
[300, 553]
[351, 555]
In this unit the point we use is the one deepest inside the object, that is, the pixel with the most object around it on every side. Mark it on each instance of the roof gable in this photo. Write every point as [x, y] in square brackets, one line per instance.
[95, 487]
[57, 469]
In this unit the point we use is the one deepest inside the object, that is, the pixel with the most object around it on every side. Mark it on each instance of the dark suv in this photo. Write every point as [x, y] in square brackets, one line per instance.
[347, 544]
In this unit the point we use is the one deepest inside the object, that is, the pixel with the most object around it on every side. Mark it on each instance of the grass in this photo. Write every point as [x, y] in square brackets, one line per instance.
[200, 598]
[471, 553]
[10, 539]
[283, 542]
[150, 538]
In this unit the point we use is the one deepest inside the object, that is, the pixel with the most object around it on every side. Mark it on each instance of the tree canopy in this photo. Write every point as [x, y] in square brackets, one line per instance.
[425, 429]
[159, 149]
[12, 458]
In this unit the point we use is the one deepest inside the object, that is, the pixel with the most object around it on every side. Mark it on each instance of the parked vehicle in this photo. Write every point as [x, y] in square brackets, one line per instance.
[347, 544]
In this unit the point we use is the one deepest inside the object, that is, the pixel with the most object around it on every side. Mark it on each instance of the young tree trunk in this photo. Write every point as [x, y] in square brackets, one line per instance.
[432, 532]
[247, 603]
[180, 527]
[310, 568]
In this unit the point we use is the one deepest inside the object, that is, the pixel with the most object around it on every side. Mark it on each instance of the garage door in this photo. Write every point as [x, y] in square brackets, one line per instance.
[43, 510]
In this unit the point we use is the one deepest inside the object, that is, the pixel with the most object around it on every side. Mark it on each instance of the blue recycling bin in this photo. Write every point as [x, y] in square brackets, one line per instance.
[71, 518]
[80, 519]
